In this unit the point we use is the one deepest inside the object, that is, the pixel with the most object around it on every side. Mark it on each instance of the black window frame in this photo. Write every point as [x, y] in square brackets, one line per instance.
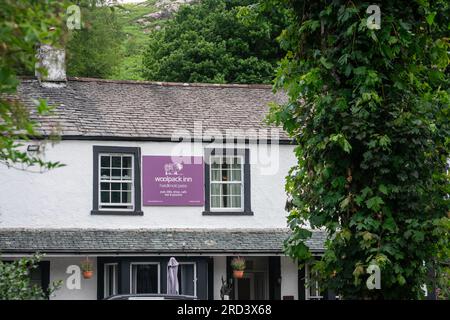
[245, 152]
[136, 152]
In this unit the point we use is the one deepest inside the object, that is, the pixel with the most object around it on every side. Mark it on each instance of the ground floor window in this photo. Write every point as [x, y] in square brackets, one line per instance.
[312, 287]
[145, 278]
[111, 280]
[187, 278]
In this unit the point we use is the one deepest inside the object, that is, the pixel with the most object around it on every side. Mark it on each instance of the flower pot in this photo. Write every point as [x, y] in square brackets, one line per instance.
[88, 274]
[238, 274]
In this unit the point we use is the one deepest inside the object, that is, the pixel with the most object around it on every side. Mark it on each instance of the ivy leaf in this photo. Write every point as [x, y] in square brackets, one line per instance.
[374, 203]
[383, 189]
[326, 63]
[430, 18]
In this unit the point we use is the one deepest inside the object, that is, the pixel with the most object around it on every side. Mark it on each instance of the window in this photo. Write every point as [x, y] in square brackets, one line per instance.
[145, 278]
[312, 288]
[187, 278]
[111, 280]
[116, 181]
[227, 179]
[117, 184]
[226, 182]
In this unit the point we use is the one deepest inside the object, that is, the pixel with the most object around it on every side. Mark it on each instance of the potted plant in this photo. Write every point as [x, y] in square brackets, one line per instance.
[87, 269]
[238, 266]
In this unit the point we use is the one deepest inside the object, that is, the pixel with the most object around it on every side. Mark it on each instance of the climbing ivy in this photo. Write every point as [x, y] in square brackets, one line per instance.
[369, 110]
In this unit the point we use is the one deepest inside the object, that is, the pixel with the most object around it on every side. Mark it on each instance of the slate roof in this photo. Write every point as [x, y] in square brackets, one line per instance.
[149, 241]
[89, 108]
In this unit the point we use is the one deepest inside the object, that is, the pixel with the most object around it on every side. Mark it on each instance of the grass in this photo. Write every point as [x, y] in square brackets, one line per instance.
[135, 39]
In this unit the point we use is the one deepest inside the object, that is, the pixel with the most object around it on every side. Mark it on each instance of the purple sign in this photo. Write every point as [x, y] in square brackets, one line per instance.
[171, 181]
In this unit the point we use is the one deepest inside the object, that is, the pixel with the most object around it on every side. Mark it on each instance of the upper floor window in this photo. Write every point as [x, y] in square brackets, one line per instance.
[227, 185]
[227, 181]
[117, 182]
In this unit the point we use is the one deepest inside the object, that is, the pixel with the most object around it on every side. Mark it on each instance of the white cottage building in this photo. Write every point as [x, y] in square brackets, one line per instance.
[148, 176]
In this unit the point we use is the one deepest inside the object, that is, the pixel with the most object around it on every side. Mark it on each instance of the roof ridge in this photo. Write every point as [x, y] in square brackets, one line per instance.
[164, 83]
[183, 229]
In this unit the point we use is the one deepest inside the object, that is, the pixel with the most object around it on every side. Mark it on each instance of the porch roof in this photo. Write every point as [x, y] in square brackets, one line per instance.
[149, 241]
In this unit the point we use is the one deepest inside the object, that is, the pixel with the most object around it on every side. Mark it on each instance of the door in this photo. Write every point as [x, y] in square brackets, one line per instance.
[244, 289]
[252, 286]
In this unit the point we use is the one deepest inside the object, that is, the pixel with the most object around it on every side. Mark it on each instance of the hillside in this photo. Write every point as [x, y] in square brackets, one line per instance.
[139, 21]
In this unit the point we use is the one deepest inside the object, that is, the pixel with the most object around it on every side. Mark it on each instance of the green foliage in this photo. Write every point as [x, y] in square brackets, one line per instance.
[238, 263]
[370, 112]
[86, 266]
[215, 41]
[23, 24]
[95, 50]
[15, 280]
[136, 33]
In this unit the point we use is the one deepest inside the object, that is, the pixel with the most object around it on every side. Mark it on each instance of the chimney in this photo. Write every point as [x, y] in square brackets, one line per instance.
[54, 61]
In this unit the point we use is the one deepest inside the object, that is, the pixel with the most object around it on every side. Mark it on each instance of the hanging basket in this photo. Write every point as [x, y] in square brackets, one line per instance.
[88, 274]
[238, 274]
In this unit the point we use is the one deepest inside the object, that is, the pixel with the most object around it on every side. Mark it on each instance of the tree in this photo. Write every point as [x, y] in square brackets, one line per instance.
[95, 50]
[15, 280]
[212, 41]
[23, 25]
[369, 110]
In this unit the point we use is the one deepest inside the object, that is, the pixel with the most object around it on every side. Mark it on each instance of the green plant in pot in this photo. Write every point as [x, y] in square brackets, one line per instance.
[238, 266]
[87, 269]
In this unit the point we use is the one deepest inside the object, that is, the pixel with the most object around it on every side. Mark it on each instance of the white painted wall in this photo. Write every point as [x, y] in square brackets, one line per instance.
[88, 288]
[289, 277]
[62, 198]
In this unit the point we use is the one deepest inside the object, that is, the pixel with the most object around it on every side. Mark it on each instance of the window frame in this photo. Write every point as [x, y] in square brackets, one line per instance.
[135, 152]
[308, 296]
[245, 181]
[145, 263]
[100, 181]
[115, 277]
[195, 274]
[241, 182]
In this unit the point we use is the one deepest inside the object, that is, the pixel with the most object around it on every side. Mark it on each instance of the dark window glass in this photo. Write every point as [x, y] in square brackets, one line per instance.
[144, 278]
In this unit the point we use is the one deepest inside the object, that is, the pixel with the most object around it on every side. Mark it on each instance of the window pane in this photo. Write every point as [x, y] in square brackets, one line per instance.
[144, 278]
[105, 173]
[225, 189]
[216, 202]
[115, 197]
[111, 280]
[215, 164]
[226, 201]
[236, 163]
[104, 186]
[235, 189]
[236, 201]
[126, 162]
[105, 197]
[105, 161]
[116, 174]
[226, 175]
[236, 175]
[126, 174]
[126, 186]
[215, 189]
[186, 279]
[116, 161]
[115, 186]
[126, 197]
[215, 175]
